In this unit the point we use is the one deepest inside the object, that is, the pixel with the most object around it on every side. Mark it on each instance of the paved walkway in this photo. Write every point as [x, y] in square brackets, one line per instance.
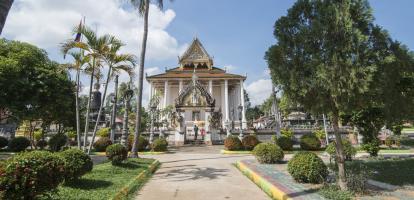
[199, 173]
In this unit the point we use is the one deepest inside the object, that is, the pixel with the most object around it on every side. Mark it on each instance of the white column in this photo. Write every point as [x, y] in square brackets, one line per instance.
[150, 92]
[180, 87]
[165, 94]
[226, 99]
[242, 103]
[210, 87]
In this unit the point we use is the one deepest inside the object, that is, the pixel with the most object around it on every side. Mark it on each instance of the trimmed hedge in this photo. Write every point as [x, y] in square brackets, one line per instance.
[41, 144]
[101, 144]
[77, 163]
[103, 132]
[142, 143]
[283, 142]
[307, 167]
[232, 143]
[268, 153]
[116, 153]
[159, 145]
[3, 142]
[249, 142]
[19, 144]
[310, 142]
[30, 174]
[57, 142]
[349, 150]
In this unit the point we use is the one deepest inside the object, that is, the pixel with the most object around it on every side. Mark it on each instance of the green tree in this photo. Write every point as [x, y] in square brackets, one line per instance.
[325, 59]
[143, 9]
[5, 6]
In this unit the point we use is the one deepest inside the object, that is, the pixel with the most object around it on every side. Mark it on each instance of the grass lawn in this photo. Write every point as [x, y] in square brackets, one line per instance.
[391, 151]
[104, 181]
[395, 172]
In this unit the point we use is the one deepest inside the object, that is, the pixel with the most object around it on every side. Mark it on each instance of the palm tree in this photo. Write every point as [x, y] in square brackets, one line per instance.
[94, 48]
[5, 6]
[79, 62]
[143, 8]
[116, 62]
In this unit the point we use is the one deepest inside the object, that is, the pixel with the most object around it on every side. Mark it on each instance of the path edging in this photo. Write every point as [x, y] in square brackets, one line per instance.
[270, 189]
[130, 188]
[235, 152]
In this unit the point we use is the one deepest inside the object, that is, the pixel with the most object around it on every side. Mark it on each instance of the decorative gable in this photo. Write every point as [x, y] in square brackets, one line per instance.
[196, 56]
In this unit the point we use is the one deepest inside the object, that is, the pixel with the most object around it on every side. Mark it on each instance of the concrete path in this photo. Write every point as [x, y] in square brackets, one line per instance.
[199, 173]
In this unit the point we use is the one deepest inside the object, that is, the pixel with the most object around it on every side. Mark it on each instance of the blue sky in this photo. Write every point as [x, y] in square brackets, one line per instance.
[236, 32]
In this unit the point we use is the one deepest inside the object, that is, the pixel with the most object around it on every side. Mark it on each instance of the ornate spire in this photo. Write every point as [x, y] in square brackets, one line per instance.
[196, 56]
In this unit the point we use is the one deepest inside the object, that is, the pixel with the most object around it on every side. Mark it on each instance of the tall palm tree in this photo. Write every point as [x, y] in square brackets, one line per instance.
[115, 62]
[143, 8]
[79, 62]
[5, 6]
[94, 48]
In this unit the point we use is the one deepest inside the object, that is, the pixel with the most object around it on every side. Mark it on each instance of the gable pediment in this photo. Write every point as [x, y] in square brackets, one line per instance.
[196, 55]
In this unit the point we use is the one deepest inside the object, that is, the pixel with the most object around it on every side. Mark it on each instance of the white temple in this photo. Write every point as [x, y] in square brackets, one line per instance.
[196, 88]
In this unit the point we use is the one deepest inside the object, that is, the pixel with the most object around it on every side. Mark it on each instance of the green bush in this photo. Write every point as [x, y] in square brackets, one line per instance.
[389, 141]
[71, 134]
[3, 142]
[372, 147]
[101, 144]
[19, 144]
[268, 153]
[159, 145]
[283, 142]
[142, 143]
[103, 132]
[41, 144]
[77, 163]
[31, 174]
[310, 142]
[287, 133]
[357, 177]
[349, 150]
[57, 141]
[320, 134]
[333, 192]
[249, 142]
[116, 153]
[307, 167]
[38, 135]
[406, 141]
[233, 143]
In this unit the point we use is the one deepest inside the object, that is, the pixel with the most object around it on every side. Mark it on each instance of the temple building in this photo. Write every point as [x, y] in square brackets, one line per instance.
[197, 88]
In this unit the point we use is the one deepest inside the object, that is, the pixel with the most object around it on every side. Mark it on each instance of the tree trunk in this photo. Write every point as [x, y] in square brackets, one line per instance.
[114, 110]
[108, 77]
[85, 134]
[339, 152]
[5, 6]
[134, 151]
[78, 132]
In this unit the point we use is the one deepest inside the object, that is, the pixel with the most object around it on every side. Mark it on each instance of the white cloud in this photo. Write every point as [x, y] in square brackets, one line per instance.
[259, 91]
[47, 23]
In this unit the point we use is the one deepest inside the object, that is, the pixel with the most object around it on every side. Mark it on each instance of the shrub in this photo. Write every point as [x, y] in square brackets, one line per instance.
[77, 163]
[389, 141]
[38, 135]
[320, 134]
[232, 143]
[283, 142]
[307, 167]
[310, 142]
[268, 153]
[116, 153]
[57, 142]
[287, 133]
[357, 177]
[142, 143]
[41, 144]
[406, 141]
[30, 174]
[249, 142]
[159, 145]
[398, 142]
[349, 150]
[372, 147]
[333, 192]
[3, 142]
[101, 144]
[18, 144]
[103, 132]
[71, 134]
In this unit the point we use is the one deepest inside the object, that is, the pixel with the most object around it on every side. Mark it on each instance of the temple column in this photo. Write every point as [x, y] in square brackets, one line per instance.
[165, 94]
[180, 86]
[150, 94]
[226, 105]
[210, 87]
[244, 125]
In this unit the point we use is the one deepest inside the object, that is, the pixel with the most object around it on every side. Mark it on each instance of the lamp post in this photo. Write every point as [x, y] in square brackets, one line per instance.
[127, 97]
[153, 109]
[240, 108]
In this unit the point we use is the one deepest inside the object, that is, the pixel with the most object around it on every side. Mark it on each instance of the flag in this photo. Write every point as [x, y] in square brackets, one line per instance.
[78, 35]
